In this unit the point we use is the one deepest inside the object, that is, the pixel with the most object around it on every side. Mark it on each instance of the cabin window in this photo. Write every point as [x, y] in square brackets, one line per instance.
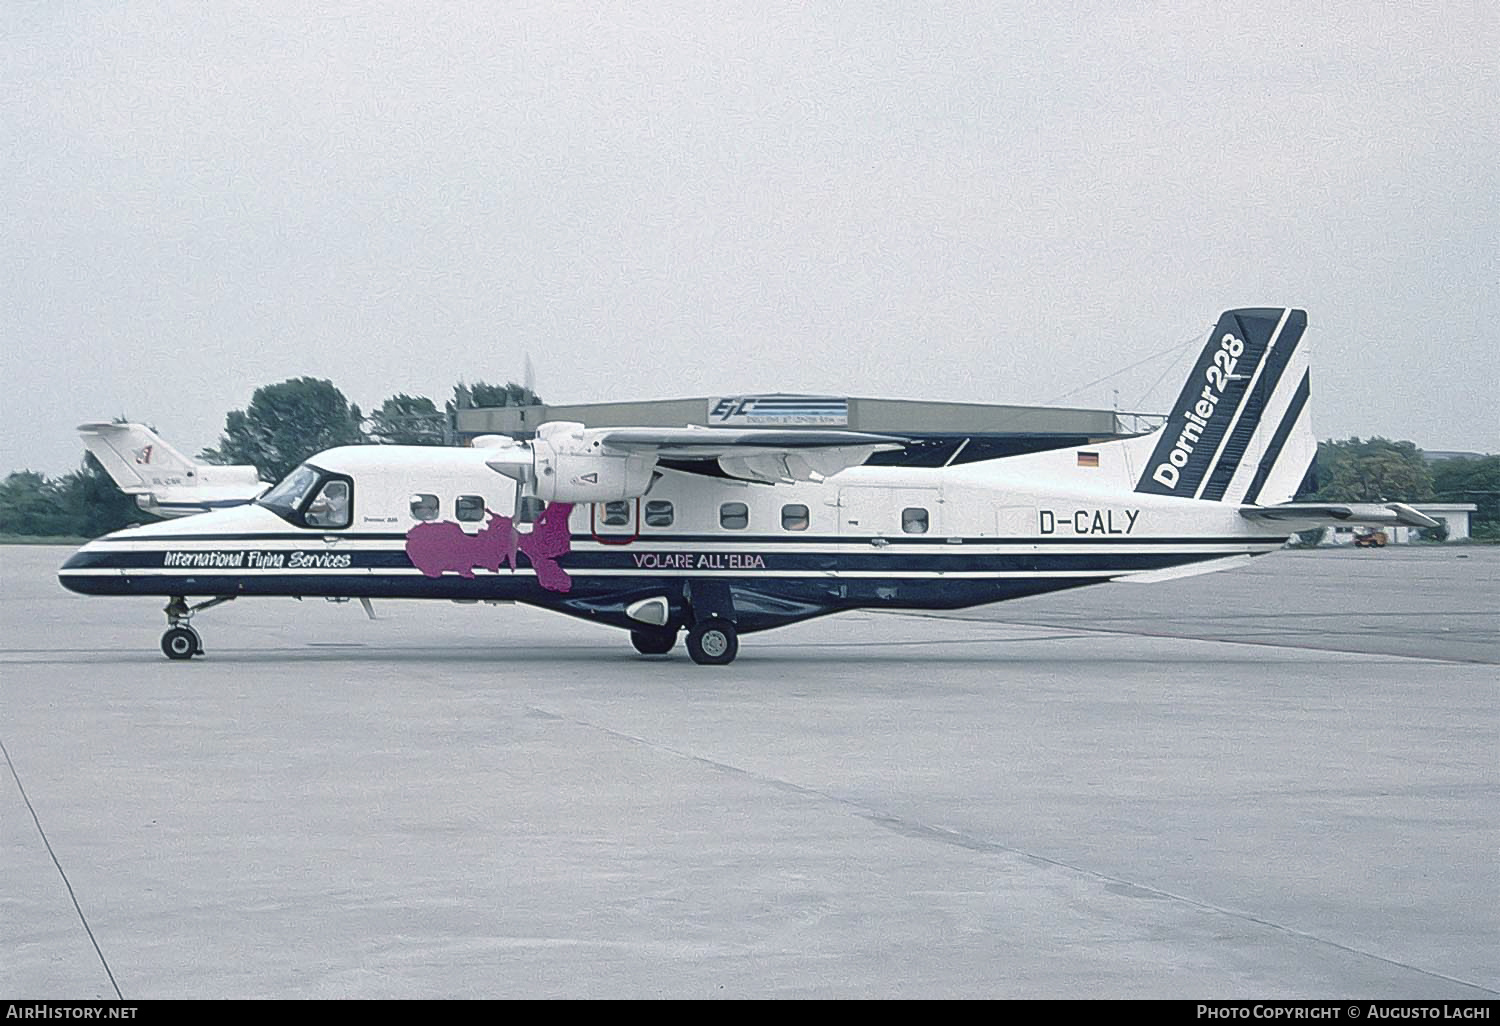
[914, 520]
[330, 507]
[734, 515]
[794, 517]
[531, 509]
[424, 506]
[469, 508]
[658, 513]
[616, 514]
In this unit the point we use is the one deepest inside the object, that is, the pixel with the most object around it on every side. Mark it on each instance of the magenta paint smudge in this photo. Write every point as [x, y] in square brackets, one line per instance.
[443, 546]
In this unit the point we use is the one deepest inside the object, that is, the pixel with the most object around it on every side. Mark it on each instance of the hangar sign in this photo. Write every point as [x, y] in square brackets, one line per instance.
[774, 410]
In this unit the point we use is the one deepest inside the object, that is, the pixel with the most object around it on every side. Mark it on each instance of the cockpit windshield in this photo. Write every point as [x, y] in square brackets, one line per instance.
[287, 497]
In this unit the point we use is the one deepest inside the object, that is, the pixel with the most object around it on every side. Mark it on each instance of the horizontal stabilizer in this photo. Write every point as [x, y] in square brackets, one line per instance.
[1341, 513]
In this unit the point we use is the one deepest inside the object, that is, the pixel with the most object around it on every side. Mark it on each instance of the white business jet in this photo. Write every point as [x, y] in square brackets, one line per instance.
[166, 483]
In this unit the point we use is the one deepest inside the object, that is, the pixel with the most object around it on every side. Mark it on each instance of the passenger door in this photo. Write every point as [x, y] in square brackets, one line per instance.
[887, 515]
[615, 523]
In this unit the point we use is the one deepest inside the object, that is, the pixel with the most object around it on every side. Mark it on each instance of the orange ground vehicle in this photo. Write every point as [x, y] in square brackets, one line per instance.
[1369, 539]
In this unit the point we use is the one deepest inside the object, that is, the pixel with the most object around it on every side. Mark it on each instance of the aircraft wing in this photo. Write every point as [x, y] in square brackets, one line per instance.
[765, 455]
[1341, 513]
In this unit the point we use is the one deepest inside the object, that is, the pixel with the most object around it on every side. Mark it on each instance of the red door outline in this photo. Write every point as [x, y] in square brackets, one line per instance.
[613, 539]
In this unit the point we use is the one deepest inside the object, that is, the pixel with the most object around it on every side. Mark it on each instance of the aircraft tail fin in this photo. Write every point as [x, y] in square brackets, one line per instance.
[1240, 431]
[136, 457]
[163, 480]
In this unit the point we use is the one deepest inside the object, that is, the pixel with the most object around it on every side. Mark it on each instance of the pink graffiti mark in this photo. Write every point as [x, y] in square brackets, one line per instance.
[443, 546]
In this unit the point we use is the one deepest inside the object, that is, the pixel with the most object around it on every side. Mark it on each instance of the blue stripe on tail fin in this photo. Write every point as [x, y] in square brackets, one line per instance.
[1278, 443]
[1218, 424]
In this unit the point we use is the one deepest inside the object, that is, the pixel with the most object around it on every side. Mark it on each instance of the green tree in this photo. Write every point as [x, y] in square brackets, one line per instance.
[30, 504]
[1476, 480]
[285, 424]
[93, 504]
[407, 420]
[482, 393]
[1375, 470]
[84, 503]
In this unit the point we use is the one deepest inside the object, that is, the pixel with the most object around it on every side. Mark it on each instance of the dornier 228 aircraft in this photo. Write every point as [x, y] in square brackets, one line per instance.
[721, 532]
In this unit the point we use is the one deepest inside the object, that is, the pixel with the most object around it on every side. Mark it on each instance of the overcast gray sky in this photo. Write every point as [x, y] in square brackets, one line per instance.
[968, 201]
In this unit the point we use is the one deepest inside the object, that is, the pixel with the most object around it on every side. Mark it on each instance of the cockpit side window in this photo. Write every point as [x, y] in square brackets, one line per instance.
[424, 506]
[287, 496]
[332, 506]
[312, 497]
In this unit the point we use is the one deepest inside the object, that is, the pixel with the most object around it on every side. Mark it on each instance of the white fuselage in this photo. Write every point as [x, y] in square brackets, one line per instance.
[888, 536]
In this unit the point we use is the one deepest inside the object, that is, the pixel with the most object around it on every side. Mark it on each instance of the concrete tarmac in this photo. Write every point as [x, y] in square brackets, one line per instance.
[1276, 782]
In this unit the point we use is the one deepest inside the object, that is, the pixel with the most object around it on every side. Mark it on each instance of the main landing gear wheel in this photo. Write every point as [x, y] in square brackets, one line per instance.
[181, 643]
[713, 643]
[658, 642]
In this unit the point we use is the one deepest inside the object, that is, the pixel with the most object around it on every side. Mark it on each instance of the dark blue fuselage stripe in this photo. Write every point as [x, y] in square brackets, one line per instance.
[759, 604]
[927, 591]
[1278, 440]
[738, 541]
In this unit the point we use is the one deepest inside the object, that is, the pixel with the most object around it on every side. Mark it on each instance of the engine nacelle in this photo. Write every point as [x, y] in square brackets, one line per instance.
[571, 465]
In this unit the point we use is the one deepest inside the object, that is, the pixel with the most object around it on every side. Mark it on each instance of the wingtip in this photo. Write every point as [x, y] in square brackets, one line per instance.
[1410, 516]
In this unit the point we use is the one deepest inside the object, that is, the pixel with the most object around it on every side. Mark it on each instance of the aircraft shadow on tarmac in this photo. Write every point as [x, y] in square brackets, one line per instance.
[812, 657]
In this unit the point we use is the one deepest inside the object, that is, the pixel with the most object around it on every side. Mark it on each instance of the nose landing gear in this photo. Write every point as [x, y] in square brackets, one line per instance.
[181, 641]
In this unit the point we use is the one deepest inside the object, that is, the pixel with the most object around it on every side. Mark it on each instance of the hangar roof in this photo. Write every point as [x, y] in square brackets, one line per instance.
[889, 416]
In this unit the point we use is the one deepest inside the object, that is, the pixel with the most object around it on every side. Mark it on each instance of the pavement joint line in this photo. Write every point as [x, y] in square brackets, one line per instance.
[948, 835]
[66, 883]
[1381, 656]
